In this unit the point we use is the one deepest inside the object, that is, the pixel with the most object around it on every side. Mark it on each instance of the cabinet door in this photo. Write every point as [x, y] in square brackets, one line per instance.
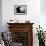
[20, 38]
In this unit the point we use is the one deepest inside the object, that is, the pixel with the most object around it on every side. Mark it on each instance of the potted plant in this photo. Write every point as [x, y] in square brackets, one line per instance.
[41, 36]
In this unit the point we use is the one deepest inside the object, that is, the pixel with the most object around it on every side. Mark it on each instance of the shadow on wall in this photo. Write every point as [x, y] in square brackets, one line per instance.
[0, 15]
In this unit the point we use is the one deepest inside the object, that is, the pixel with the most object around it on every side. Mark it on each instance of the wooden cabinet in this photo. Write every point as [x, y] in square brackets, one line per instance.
[22, 33]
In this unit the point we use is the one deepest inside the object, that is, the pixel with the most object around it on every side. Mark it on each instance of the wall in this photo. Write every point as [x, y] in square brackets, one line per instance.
[43, 14]
[0, 15]
[33, 11]
[43, 6]
[33, 14]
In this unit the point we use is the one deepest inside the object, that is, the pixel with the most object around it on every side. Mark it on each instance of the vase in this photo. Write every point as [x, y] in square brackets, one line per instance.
[41, 43]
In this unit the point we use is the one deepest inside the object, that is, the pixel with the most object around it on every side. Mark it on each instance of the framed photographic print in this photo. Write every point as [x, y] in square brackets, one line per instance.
[20, 9]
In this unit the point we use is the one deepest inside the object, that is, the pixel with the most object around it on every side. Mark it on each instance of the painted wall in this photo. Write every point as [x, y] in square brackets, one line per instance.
[43, 6]
[0, 15]
[33, 11]
[33, 14]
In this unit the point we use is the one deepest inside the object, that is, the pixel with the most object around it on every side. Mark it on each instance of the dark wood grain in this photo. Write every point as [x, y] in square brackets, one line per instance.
[22, 27]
